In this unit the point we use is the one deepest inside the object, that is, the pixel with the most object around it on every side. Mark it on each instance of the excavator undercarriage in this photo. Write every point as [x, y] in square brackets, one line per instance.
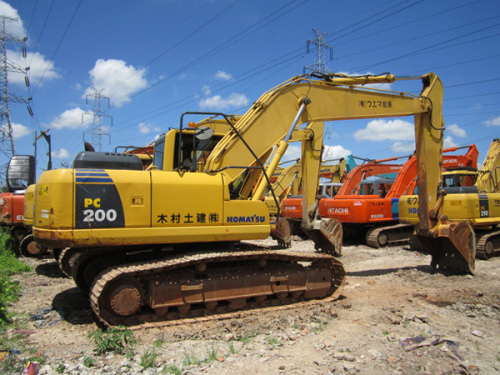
[206, 283]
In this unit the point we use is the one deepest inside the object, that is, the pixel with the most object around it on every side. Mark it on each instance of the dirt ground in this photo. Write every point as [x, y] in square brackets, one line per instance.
[394, 317]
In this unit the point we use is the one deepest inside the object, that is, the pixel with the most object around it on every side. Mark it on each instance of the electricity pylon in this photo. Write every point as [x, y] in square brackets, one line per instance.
[98, 114]
[320, 59]
[7, 145]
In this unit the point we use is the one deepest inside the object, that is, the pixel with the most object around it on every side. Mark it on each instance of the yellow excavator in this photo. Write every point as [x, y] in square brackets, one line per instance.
[165, 243]
[459, 200]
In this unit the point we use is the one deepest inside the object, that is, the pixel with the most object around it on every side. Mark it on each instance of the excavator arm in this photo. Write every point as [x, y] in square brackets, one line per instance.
[303, 104]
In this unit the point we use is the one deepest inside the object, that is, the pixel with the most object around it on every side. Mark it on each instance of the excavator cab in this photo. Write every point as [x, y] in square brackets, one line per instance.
[187, 148]
[20, 172]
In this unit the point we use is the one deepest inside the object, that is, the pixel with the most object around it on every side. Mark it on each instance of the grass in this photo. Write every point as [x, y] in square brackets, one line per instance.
[172, 369]
[190, 359]
[9, 266]
[159, 342]
[61, 367]
[212, 354]
[273, 341]
[9, 293]
[245, 339]
[116, 340]
[89, 361]
[148, 359]
[320, 327]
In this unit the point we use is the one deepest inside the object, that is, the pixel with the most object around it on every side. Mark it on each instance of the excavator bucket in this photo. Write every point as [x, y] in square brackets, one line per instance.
[281, 232]
[332, 230]
[328, 238]
[455, 247]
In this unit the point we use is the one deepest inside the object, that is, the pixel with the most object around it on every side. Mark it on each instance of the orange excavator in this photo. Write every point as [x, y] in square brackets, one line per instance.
[372, 206]
[290, 180]
[20, 174]
[292, 207]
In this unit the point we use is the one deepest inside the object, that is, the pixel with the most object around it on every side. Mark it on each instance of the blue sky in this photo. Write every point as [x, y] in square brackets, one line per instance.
[155, 59]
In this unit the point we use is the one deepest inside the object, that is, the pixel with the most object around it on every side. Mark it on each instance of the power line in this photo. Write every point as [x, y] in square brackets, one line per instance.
[424, 50]
[217, 49]
[58, 45]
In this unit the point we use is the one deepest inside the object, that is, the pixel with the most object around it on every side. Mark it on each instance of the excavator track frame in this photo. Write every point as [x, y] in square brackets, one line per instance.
[397, 234]
[487, 245]
[101, 291]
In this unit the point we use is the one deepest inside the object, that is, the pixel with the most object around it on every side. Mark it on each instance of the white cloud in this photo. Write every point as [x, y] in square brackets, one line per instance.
[456, 130]
[217, 102]
[223, 76]
[147, 128]
[448, 142]
[292, 153]
[494, 122]
[117, 80]
[381, 130]
[206, 90]
[60, 154]
[20, 130]
[15, 28]
[39, 67]
[399, 147]
[38, 64]
[75, 118]
[335, 152]
[144, 128]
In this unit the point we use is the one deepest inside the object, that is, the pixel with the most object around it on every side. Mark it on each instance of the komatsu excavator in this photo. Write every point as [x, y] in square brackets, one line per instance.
[372, 208]
[175, 222]
[478, 204]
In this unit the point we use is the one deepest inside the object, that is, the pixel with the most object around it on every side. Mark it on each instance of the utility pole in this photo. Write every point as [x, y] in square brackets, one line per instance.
[7, 145]
[98, 114]
[47, 138]
[320, 59]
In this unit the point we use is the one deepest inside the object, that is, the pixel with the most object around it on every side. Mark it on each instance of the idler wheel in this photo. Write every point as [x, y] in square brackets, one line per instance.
[489, 249]
[382, 239]
[125, 299]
